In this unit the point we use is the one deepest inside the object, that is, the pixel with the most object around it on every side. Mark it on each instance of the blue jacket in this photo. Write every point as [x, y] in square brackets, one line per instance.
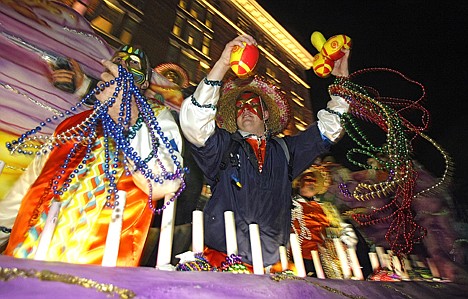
[264, 198]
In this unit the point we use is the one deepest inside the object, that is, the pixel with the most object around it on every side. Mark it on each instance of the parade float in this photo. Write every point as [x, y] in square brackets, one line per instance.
[35, 36]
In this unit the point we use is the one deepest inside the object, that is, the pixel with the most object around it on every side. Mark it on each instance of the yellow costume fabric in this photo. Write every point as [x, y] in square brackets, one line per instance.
[83, 222]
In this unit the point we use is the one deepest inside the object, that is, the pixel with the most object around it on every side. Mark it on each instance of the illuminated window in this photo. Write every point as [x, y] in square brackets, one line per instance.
[115, 22]
[206, 46]
[129, 25]
[194, 37]
[102, 24]
[126, 37]
[270, 72]
[197, 11]
[190, 40]
[183, 4]
[209, 20]
[107, 18]
[177, 29]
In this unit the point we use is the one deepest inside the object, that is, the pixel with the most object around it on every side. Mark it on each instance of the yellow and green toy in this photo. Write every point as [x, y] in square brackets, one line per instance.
[328, 52]
[243, 60]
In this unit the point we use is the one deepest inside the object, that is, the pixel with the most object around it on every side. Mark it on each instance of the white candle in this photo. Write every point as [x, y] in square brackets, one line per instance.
[416, 262]
[396, 264]
[387, 260]
[433, 268]
[355, 265]
[342, 257]
[166, 234]
[374, 260]
[399, 269]
[297, 255]
[283, 258]
[48, 231]
[317, 264]
[197, 231]
[407, 263]
[256, 247]
[381, 254]
[111, 251]
[230, 229]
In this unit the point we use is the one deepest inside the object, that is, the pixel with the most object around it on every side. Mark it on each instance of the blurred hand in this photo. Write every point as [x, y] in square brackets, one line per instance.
[341, 68]
[68, 79]
[111, 72]
[348, 236]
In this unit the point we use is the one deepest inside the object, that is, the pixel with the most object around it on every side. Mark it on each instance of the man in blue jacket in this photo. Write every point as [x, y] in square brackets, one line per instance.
[248, 169]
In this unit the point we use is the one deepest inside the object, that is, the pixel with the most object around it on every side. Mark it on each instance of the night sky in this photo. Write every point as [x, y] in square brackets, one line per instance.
[424, 40]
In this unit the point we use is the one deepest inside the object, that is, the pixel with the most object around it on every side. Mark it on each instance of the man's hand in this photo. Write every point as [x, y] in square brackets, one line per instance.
[66, 79]
[112, 72]
[223, 64]
[341, 68]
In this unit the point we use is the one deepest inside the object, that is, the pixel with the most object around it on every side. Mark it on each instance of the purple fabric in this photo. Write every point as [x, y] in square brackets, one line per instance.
[152, 283]
[52, 27]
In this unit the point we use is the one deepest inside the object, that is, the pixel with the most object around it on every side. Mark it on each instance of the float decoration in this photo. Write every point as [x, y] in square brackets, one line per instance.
[329, 51]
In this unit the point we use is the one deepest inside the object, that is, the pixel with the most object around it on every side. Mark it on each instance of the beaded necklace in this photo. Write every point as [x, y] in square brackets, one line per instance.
[116, 136]
[387, 113]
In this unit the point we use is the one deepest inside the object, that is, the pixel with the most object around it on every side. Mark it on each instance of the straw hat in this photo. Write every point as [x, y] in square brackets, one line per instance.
[173, 73]
[321, 175]
[276, 102]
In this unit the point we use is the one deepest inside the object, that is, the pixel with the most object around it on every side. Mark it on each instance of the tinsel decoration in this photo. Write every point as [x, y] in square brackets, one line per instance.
[233, 264]
[110, 290]
[199, 263]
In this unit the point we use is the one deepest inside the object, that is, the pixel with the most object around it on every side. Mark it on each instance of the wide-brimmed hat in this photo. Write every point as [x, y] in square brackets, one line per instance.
[277, 104]
[321, 175]
[174, 73]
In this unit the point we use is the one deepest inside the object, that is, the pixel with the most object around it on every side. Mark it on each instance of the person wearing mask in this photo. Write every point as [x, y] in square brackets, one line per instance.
[232, 129]
[314, 221]
[126, 143]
